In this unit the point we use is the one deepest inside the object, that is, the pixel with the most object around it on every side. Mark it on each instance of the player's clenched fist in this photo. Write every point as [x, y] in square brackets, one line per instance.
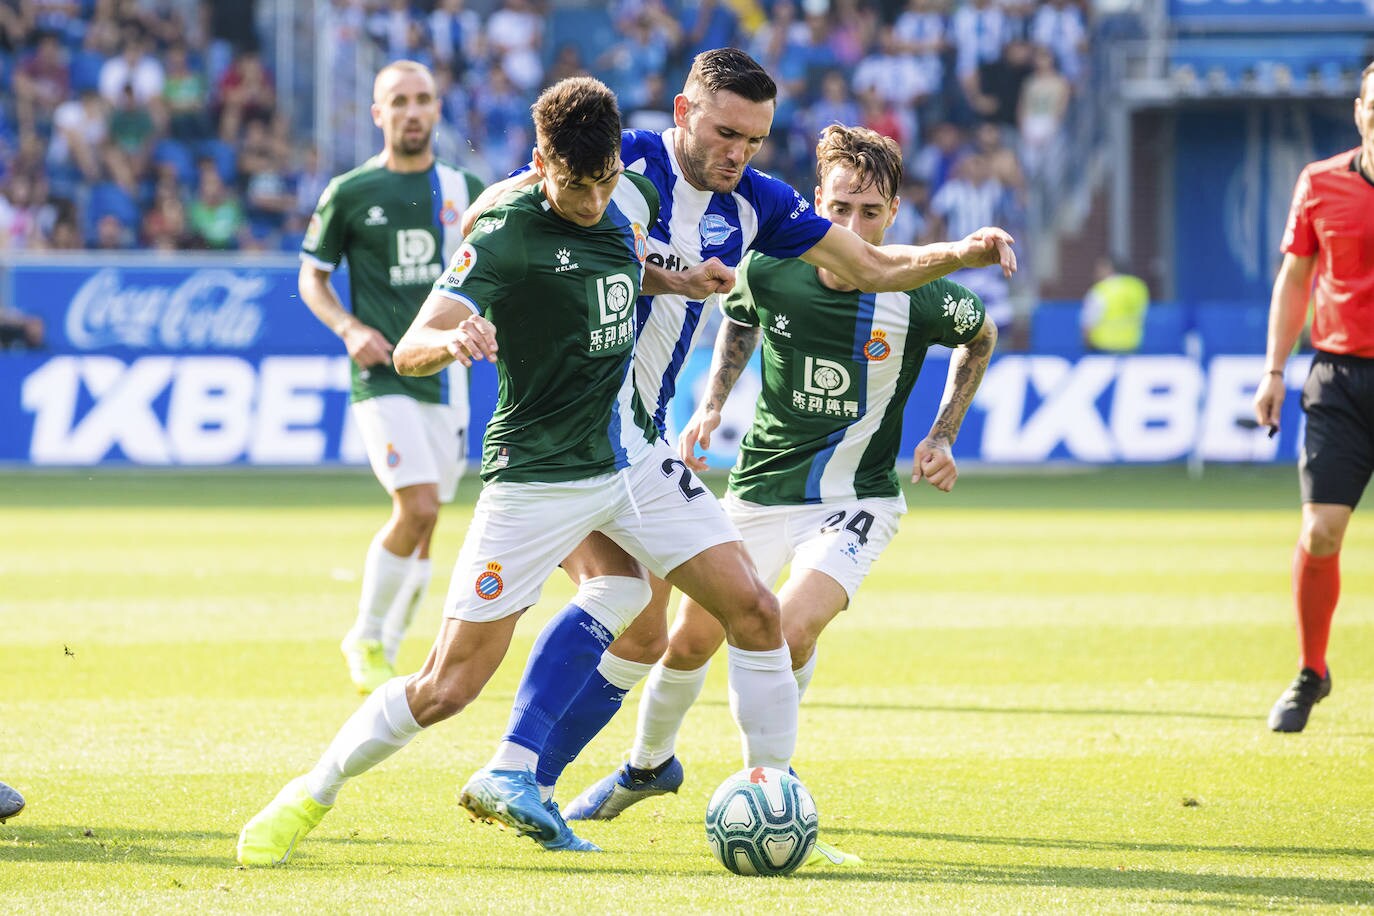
[474, 339]
[934, 463]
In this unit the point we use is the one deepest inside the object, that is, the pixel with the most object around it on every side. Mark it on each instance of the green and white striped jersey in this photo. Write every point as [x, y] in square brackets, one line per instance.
[397, 230]
[562, 298]
[837, 370]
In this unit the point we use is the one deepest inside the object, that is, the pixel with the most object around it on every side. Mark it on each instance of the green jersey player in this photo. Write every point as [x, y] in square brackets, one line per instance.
[396, 220]
[814, 484]
[548, 280]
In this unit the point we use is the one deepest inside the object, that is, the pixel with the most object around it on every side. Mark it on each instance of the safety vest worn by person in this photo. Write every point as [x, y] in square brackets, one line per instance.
[1121, 323]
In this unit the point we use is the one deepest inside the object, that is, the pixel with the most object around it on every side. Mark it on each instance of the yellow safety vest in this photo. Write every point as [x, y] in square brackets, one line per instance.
[1124, 300]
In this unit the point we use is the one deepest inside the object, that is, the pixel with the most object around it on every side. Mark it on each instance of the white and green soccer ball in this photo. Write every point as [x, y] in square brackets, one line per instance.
[761, 821]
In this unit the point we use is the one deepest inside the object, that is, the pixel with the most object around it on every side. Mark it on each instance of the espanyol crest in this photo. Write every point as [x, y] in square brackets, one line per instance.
[714, 230]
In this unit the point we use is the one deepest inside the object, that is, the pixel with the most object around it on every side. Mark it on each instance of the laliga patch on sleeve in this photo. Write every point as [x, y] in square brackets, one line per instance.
[461, 265]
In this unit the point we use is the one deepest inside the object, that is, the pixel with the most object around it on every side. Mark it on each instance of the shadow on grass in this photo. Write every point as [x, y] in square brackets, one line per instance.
[1353, 852]
[1014, 710]
[62, 843]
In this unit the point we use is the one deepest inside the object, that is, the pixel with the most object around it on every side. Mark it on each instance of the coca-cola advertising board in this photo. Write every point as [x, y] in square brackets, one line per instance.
[177, 361]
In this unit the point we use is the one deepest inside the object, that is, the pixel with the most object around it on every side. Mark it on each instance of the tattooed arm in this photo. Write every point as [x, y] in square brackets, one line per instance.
[734, 346]
[934, 461]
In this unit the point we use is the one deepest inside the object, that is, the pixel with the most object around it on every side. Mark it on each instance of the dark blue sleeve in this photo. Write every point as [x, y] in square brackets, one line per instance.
[788, 226]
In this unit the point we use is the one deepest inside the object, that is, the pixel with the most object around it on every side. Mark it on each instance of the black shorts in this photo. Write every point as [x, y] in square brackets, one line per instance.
[1338, 450]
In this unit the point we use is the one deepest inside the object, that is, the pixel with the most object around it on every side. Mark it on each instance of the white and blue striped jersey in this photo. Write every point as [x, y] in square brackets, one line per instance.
[762, 214]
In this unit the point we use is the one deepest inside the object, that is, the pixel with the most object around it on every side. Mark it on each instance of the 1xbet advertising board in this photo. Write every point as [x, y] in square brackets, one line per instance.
[219, 363]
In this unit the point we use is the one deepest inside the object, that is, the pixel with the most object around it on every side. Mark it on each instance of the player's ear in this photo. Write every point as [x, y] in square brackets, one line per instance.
[537, 159]
[818, 198]
[681, 106]
[376, 114]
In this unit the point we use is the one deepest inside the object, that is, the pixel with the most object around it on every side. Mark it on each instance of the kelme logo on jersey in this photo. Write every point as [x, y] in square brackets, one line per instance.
[715, 229]
[458, 270]
[611, 314]
[415, 251]
[820, 387]
[489, 584]
[779, 325]
[877, 348]
[376, 216]
[965, 312]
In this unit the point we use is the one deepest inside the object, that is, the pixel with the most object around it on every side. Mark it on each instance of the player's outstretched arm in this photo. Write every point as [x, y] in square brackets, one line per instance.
[708, 278]
[735, 344]
[934, 460]
[493, 193]
[444, 331]
[1287, 313]
[366, 345]
[897, 268]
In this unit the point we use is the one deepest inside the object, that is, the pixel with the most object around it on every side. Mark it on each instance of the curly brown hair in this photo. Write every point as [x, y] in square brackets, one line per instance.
[876, 159]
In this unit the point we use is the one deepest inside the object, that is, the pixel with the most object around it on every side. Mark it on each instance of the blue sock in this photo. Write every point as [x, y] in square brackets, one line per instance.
[564, 656]
[585, 717]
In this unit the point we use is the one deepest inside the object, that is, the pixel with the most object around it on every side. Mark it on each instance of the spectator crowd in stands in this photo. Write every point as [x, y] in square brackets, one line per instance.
[151, 124]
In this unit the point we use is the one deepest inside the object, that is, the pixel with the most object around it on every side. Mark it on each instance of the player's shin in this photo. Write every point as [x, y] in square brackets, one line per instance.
[668, 695]
[564, 657]
[381, 726]
[384, 573]
[597, 703]
[763, 699]
[403, 610]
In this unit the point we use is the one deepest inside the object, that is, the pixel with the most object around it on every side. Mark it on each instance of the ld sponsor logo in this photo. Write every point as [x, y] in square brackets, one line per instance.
[611, 322]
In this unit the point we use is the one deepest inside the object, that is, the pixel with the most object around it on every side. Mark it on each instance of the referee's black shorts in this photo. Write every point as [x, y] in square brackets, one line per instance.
[1338, 450]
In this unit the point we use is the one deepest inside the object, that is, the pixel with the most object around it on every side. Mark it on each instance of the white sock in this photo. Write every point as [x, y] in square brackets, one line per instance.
[382, 726]
[512, 756]
[383, 575]
[403, 610]
[622, 673]
[763, 699]
[804, 673]
[668, 695]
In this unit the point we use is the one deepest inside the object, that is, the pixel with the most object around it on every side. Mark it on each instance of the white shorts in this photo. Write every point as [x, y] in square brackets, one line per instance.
[839, 539]
[656, 509]
[409, 442]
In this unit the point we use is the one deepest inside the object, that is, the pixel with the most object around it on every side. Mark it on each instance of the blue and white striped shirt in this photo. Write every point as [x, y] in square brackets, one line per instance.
[761, 214]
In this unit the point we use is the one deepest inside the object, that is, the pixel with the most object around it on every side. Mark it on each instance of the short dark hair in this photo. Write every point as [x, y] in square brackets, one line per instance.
[731, 70]
[876, 159]
[577, 123]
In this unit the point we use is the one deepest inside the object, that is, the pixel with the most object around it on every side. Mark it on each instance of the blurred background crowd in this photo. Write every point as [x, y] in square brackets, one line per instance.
[215, 124]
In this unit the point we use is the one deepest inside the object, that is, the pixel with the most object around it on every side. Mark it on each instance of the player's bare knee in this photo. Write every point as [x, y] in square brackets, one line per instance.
[756, 621]
[437, 697]
[1322, 534]
[645, 648]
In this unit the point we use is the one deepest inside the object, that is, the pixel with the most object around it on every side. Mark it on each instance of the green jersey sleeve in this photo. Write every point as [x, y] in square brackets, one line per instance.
[738, 304]
[325, 237]
[491, 259]
[950, 313]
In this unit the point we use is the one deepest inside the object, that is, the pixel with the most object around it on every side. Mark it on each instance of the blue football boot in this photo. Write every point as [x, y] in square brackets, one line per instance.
[608, 797]
[511, 798]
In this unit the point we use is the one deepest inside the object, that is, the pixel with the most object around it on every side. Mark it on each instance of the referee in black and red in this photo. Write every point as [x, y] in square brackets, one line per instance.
[1328, 255]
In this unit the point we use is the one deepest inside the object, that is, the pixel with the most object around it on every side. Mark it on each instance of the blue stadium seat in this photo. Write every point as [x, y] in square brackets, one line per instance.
[225, 157]
[178, 155]
[1238, 56]
[108, 198]
[86, 70]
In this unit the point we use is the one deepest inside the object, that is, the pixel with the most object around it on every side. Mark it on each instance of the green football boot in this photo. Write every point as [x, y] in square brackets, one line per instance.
[271, 836]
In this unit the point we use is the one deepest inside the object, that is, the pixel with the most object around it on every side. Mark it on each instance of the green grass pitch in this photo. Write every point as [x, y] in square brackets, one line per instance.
[1050, 696]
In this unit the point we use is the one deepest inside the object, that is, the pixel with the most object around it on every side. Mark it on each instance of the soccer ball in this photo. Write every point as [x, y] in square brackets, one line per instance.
[761, 821]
